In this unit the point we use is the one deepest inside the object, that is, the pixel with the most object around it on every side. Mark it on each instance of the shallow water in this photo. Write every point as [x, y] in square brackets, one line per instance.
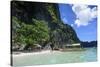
[88, 55]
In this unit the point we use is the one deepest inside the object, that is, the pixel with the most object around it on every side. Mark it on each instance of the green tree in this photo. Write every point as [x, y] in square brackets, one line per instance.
[30, 34]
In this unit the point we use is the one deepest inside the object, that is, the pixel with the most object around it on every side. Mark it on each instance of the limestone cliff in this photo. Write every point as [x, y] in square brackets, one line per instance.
[59, 32]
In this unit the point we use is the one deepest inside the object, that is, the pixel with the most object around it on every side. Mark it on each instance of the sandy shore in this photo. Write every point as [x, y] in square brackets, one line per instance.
[19, 54]
[33, 53]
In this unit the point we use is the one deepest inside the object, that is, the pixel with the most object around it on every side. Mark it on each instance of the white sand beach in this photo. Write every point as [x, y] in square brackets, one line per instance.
[33, 53]
[19, 54]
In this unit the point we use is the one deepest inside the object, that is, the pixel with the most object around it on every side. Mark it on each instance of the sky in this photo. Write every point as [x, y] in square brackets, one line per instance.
[83, 19]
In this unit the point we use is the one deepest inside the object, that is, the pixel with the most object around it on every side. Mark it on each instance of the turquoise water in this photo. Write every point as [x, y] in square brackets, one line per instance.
[88, 55]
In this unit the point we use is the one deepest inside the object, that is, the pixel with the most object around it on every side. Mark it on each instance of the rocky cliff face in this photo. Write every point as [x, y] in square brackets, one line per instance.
[60, 33]
[25, 11]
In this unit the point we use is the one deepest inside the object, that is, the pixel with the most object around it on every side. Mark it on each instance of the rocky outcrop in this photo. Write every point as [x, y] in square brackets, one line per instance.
[59, 32]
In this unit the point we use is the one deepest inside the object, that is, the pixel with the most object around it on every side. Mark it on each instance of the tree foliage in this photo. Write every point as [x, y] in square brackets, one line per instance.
[35, 33]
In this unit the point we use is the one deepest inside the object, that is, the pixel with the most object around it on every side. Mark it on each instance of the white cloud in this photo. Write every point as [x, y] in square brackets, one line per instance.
[72, 25]
[64, 20]
[84, 14]
[94, 12]
[80, 23]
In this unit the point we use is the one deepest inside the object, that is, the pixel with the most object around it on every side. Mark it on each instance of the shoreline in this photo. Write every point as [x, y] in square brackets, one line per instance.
[33, 53]
[19, 53]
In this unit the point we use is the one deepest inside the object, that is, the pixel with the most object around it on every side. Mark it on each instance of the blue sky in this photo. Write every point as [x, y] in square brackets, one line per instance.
[83, 18]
